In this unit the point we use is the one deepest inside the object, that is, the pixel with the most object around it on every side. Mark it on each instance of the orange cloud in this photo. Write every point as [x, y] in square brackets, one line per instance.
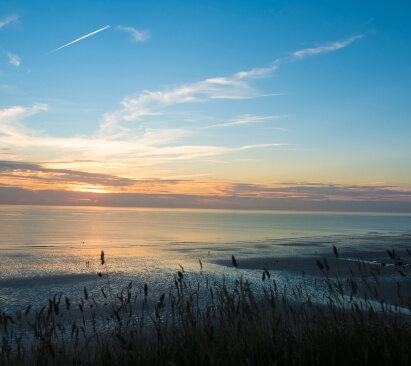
[75, 187]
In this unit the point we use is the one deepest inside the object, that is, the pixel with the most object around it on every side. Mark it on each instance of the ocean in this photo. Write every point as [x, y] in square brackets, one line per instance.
[48, 250]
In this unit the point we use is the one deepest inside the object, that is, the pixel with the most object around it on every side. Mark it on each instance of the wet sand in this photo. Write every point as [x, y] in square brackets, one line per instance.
[308, 263]
[390, 277]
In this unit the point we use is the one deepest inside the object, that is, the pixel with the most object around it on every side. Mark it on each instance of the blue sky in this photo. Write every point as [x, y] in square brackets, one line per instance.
[246, 104]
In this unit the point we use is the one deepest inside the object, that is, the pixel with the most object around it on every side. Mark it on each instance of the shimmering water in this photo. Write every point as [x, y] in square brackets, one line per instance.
[45, 250]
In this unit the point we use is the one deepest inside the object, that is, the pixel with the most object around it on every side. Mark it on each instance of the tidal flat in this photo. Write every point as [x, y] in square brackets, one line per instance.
[308, 294]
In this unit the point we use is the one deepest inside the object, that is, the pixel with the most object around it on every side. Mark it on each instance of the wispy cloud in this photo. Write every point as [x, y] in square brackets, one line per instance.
[10, 127]
[236, 87]
[79, 39]
[16, 113]
[334, 46]
[153, 146]
[9, 19]
[136, 35]
[257, 72]
[151, 102]
[126, 141]
[13, 59]
[247, 119]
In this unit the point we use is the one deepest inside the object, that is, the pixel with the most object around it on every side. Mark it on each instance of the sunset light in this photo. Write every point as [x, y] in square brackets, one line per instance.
[294, 120]
[211, 182]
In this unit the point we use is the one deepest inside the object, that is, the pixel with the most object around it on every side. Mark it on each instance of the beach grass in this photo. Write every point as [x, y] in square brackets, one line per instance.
[224, 322]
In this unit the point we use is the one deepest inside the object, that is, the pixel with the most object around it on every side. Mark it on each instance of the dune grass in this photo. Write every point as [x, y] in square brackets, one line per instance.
[225, 322]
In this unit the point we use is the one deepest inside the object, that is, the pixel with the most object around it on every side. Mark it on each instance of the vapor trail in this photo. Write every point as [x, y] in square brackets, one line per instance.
[79, 39]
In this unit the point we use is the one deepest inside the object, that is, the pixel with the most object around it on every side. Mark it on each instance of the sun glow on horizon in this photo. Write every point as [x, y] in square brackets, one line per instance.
[94, 190]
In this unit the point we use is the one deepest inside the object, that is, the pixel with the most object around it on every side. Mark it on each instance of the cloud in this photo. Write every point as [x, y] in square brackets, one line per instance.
[8, 20]
[247, 119]
[36, 177]
[315, 191]
[12, 171]
[126, 143]
[19, 112]
[153, 146]
[13, 59]
[238, 86]
[42, 177]
[22, 182]
[327, 48]
[137, 35]
[12, 132]
[151, 102]
[79, 39]
[16, 113]
[258, 72]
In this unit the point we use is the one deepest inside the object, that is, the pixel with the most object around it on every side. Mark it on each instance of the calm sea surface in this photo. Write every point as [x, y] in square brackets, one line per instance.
[45, 250]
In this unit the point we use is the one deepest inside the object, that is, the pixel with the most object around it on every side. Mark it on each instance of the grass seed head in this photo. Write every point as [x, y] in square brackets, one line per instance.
[320, 266]
[335, 251]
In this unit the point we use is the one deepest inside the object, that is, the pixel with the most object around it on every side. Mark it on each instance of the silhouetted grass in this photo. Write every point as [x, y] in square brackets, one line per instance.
[216, 323]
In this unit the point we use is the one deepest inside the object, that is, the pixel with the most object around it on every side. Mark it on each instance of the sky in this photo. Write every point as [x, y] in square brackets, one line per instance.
[284, 105]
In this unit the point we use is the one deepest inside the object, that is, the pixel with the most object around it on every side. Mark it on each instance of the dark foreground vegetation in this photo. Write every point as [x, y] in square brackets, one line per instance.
[224, 322]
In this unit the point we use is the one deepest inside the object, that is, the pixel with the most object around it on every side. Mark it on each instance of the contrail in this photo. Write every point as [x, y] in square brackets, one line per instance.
[79, 39]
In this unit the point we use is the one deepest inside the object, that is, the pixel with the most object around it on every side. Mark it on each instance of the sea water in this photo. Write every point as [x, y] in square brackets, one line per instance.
[48, 250]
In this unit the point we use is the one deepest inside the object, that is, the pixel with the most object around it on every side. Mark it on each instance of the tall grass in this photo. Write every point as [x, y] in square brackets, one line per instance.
[225, 322]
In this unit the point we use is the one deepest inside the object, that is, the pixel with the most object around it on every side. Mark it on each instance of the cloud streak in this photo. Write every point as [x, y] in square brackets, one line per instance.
[136, 35]
[148, 103]
[8, 20]
[154, 146]
[13, 59]
[334, 46]
[79, 39]
[247, 119]
[16, 113]
[238, 86]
